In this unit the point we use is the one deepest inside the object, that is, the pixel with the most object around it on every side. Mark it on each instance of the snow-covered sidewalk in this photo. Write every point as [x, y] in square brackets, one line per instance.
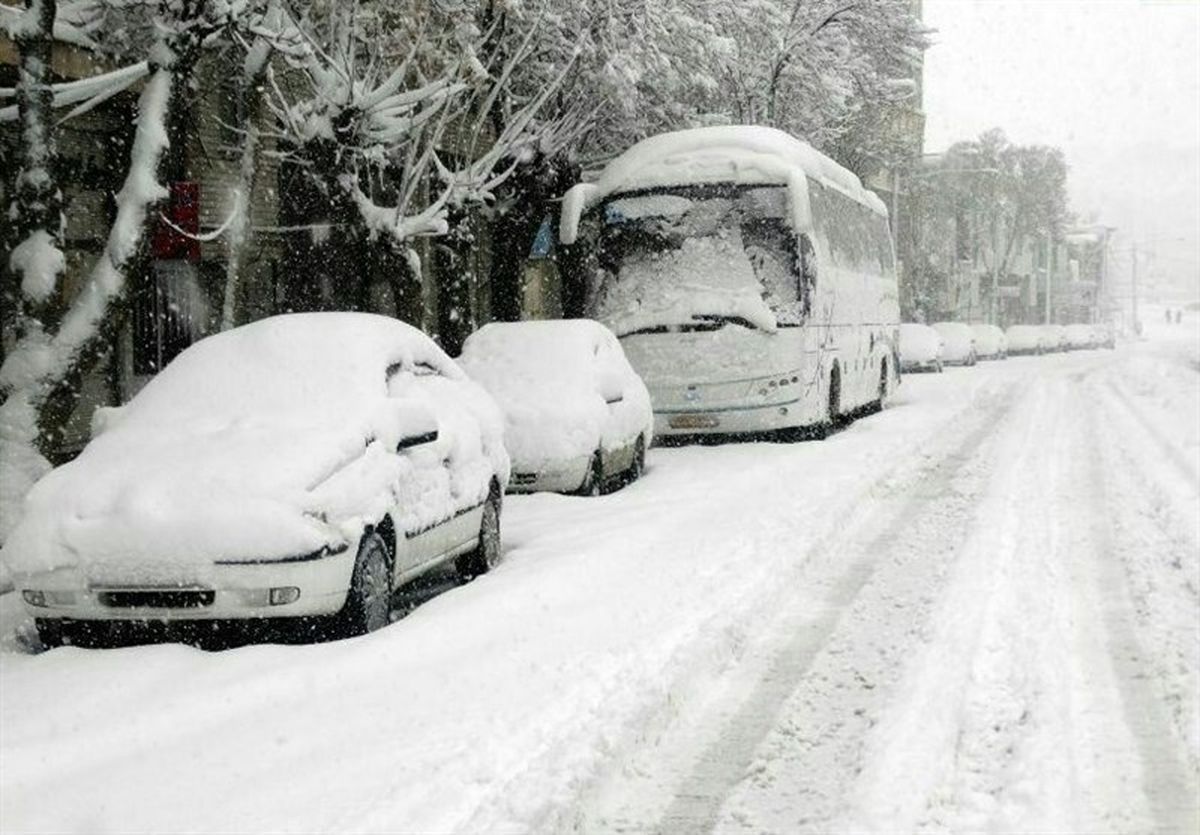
[846, 618]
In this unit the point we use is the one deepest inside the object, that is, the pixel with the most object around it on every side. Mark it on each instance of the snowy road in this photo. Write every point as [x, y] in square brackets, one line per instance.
[975, 611]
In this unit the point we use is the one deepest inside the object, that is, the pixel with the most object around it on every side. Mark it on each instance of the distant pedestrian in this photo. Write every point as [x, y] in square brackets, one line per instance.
[1179, 316]
[1169, 315]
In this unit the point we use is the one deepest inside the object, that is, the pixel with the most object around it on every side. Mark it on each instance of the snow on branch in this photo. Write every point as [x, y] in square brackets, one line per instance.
[90, 91]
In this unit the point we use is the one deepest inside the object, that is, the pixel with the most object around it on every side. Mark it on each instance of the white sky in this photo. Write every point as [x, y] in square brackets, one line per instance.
[1114, 83]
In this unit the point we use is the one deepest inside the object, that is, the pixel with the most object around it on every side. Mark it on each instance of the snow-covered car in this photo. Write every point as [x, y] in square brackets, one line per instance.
[990, 343]
[958, 343]
[1054, 337]
[1080, 336]
[920, 348]
[298, 469]
[1025, 339]
[577, 417]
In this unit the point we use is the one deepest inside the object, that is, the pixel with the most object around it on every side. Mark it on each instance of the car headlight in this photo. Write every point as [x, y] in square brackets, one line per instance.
[34, 597]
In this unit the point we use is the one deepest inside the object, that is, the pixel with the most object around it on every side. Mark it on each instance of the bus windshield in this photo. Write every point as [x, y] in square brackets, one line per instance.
[697, 258]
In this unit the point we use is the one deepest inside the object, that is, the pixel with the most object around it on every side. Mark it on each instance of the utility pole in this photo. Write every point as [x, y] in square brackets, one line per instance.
[995, 318]
[1049, 278]
[1137, 325]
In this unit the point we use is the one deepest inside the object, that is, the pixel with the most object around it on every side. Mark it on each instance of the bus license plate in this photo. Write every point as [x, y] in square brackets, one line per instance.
[694, 422]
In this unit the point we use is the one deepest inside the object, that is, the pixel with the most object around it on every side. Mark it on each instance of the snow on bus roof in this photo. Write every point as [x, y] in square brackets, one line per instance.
[726, 153]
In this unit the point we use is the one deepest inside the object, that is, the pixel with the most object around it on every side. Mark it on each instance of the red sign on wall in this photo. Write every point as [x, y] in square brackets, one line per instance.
[183, 210]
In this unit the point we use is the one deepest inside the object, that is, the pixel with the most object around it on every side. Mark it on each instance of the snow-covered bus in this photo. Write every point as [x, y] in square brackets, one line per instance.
[751, 280]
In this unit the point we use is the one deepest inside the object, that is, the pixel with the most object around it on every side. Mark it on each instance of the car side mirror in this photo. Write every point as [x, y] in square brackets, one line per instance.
[611, 387]
[417, 439]
[417, 424]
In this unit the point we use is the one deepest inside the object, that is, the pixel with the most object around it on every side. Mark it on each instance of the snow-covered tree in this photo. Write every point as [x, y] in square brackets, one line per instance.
[820, 69]
[980, 204]
[39, 379]
[35, 215]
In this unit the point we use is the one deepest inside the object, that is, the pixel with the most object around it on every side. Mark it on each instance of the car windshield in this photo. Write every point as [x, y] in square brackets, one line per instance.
[697, 258]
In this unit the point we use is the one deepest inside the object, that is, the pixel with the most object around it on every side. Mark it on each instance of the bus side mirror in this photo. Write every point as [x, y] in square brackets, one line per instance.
[806, 279]
[575, 202]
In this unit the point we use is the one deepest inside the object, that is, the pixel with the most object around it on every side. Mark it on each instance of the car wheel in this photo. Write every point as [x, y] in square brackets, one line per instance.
[487, 552]
[639, 460]
[368, 605]
[593, 482]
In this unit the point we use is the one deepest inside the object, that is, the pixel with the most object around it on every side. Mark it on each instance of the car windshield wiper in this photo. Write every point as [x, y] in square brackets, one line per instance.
[712, 321]
[651, 329]
[700, 322]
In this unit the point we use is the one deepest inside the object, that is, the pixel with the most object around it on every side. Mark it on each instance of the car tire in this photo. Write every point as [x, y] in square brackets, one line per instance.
[638, 466]
[368, 604]
[593, 482]
[486, 553]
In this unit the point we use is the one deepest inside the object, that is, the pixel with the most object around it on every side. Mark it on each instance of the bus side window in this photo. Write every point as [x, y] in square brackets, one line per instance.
[807, 275]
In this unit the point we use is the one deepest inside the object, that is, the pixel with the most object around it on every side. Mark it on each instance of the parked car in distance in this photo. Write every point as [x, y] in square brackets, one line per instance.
[920, 348]
[958, 343]
[296, 469]
[1080, 336]
[1025, 339]
[990, 343]
[1055, 337]
[577, 417]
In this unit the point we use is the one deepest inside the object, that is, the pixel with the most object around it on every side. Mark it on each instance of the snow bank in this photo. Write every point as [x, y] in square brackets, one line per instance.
[550, 380]
[270, 440]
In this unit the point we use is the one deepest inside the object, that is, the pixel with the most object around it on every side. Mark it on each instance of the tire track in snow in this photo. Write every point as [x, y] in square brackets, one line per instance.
[713, 771]
[1166, 781]
[1170, 451]
[940, 754]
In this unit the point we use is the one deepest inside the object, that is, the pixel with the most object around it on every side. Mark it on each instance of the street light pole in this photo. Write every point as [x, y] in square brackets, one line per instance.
[1049, 280]
[1137, 325]
[995, 317]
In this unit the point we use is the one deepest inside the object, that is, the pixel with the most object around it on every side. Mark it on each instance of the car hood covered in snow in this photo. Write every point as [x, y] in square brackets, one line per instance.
[272, 440]
[233, 491]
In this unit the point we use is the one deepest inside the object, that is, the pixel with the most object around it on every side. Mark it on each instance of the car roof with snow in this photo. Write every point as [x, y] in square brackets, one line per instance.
[563, 350]
[318, 366]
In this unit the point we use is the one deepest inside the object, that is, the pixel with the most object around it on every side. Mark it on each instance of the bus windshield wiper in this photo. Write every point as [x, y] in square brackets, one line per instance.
[718, 320]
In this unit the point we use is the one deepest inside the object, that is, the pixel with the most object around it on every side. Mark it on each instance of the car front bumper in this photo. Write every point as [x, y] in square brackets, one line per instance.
[565, 477]
[221, 591]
